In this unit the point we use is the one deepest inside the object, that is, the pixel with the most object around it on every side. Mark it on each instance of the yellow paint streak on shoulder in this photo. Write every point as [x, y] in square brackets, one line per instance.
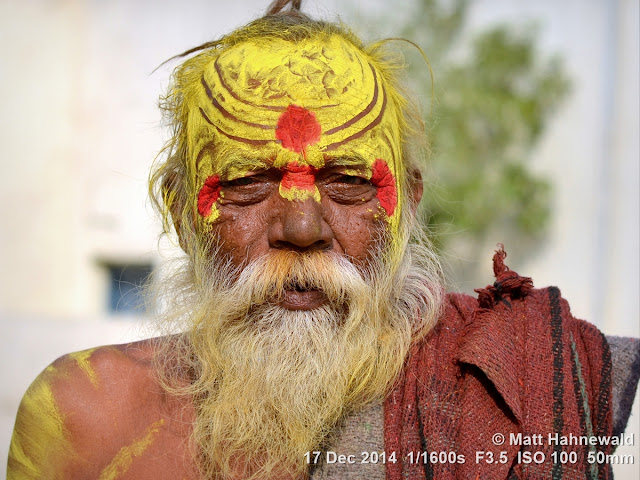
[124, 458]
[39, 444]
[83, 360]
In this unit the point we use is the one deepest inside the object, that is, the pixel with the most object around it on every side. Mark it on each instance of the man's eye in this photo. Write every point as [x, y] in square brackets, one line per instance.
[352, 180]
[241, 182]
[348, 189]
[247, 190]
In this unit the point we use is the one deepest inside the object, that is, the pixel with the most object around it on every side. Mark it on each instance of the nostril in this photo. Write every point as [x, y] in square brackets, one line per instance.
[285, 245]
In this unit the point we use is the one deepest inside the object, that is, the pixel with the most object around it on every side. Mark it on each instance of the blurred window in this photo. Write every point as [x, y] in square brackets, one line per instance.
[127, 287]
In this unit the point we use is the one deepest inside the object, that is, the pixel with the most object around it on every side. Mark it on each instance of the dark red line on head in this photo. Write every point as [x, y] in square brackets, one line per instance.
[364, 112]
[225, 113]
[360, 133]
[204, 115]
[208, 148]
[233, 137]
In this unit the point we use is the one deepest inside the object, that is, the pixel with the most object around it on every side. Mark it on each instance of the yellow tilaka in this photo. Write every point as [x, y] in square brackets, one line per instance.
[124, 458]
[274, 103]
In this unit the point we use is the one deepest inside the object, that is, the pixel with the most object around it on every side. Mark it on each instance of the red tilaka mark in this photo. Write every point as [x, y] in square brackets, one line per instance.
[297, 128]
[300, 176]
[383, 179]
[209, 194]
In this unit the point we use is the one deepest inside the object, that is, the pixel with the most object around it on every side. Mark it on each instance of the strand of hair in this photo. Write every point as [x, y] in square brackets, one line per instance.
[278, 5]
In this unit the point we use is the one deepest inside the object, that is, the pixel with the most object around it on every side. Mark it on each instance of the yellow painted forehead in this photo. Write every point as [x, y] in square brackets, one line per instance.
[254, 91]
[314, 73]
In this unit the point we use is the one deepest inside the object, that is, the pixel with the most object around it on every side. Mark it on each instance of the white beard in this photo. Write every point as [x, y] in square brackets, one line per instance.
[271, 383]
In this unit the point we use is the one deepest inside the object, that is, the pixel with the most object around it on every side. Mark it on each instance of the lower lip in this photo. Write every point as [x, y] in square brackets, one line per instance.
[295, 300]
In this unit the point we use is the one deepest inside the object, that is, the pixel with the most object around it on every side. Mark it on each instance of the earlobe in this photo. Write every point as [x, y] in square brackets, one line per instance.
[416, 189]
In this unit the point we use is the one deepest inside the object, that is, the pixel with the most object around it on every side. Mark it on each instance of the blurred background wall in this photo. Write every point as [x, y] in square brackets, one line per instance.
[79, 129]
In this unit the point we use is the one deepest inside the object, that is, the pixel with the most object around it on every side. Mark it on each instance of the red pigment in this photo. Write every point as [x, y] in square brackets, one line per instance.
[383, 179]
[300, 176]
[209, 194]
[297, 128]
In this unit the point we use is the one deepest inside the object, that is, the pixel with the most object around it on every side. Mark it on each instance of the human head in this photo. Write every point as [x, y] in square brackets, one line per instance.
[241, 103]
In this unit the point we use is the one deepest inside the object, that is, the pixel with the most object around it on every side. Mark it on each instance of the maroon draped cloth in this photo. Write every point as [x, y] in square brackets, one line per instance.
[513, 365]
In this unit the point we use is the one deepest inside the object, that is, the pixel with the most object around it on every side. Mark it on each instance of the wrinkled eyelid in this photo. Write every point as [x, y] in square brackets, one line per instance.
[362, 180]
[232, 176]
[241, 181]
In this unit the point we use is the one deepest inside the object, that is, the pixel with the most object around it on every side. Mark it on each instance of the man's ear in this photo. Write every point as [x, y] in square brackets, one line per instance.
[415, 188]
[172, 197]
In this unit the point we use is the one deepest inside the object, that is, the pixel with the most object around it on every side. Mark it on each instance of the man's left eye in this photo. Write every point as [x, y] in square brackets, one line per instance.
[348, 189]
[352, 180]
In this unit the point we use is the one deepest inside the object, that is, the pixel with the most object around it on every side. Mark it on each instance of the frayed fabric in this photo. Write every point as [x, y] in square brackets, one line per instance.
[513, 364]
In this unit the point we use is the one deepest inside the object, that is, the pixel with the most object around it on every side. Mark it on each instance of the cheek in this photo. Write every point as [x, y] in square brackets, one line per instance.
[241, 235]
[357, 228]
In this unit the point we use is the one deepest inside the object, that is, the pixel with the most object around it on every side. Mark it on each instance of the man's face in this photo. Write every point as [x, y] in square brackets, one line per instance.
[255, 220]
[294, 147]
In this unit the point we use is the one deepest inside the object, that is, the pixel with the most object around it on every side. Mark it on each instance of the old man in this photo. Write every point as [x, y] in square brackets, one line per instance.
[316, 340]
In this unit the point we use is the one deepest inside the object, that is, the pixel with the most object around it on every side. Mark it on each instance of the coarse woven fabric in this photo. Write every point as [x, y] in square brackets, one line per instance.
[625, 356]
[362, 433]
[356, 450]
[513, 362]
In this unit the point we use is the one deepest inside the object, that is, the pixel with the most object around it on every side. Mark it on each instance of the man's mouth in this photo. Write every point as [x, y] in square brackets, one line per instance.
[297, 297]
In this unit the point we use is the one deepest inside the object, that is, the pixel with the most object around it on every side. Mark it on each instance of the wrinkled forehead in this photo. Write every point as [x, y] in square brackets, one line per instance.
[319, 74]
[291, 102]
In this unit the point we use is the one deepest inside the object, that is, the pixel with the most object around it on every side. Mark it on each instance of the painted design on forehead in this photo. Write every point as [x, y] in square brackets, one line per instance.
[234, 110]
[299, 182]
[298, 128]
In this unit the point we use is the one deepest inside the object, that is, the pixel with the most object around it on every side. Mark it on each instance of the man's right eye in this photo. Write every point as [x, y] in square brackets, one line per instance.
[247, 190]
[241, 182]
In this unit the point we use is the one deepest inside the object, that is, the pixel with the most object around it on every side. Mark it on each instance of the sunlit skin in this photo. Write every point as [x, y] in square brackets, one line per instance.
[324, 192]
[114, 421]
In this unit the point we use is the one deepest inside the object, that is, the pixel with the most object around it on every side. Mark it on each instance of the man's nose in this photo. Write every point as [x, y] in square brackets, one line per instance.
[301, 226]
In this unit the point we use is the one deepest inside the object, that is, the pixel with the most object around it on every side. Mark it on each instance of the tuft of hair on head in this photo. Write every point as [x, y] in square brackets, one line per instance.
[277, 6]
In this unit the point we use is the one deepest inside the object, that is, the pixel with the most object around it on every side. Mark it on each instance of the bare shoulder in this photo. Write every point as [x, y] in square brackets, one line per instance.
[92, 411]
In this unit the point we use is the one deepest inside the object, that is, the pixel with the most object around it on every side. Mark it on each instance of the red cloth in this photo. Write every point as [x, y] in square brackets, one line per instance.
[512, 362]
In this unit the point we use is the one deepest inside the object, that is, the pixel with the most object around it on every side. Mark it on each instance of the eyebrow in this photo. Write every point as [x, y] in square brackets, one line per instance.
[354, 160]
[241, 163]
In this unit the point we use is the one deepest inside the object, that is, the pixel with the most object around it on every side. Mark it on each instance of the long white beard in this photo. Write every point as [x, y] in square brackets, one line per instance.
[270, 383]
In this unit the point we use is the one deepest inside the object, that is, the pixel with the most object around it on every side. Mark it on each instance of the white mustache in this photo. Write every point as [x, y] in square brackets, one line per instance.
[266, 279]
